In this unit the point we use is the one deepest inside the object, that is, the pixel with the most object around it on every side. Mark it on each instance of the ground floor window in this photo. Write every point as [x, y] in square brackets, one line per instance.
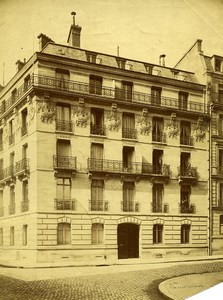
[63, 234]
[185, 234]
[97, 234]
[24, 235]
[157, 233]
[12, 236]
[221, 224]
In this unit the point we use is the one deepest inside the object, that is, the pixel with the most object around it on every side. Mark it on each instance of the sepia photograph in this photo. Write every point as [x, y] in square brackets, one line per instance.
[111, 149]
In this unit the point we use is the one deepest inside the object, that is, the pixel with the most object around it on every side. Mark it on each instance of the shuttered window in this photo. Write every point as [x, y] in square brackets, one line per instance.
[63, 234]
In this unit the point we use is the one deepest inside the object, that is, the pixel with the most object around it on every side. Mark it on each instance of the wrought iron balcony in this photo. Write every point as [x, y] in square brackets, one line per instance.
[24, 130]
[189, 209]
[97, 129]
[130, 206]
[65, 204]
[159, 207]
[25, 205]
[187, 140]
[161, 169]
[95, 89]
[64, 125]
[12, 209]
[129, 133]
[11, 138]
[159, 137]
[98, 205]
[188, 172]
[80, 88]
[9, 173]
[65, 162]
[22, 167]
[1, 211]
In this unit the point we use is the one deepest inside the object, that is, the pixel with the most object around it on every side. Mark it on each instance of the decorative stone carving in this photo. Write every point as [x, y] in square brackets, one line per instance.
[113, 119]
[199, 132]
[144, 123]
[47, 110]
[172, 127]
[81, 114]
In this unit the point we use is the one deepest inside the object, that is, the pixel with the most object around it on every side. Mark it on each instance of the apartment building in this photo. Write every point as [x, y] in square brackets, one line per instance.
[209, 71]
[101, 158]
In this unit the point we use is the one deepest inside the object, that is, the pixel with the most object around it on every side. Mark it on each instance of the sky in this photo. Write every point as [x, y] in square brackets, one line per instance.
[143, 29]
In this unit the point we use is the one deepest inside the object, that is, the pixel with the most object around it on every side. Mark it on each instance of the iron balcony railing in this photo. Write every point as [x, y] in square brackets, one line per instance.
[53, 83]
[24, 130]
[116, 166]
[190, 209]
[12, 209]
[129, 133]
[65, 204]
[25, 205]
[159, 207]
[11, 138]
[130, 206]
[64, 125]
[188, 171]
[65, 162]
[1, 211]
[159, 137]
[187, 140]
[98, 205]
[8, 172]
[22, 165]
[97, 129]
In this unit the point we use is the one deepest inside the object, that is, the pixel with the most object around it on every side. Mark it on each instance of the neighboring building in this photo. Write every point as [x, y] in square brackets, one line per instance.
[101, 159]
[209, 71]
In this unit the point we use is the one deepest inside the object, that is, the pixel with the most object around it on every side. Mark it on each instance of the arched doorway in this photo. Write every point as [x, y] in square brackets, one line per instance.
[128, 240]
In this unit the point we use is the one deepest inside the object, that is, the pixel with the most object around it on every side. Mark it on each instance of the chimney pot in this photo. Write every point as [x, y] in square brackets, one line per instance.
[74, 37]
[19, 64]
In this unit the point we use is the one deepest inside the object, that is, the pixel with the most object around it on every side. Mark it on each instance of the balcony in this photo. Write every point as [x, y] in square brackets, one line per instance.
[97, 129]
[12, 209]
[128, 133]
[9, 174]
[25, 205]
[24, 130]
[122, 94]
[130, 206]
[188, 174]
[159, 207]
[68, 163]
[187, 209]
[159, 137]
[65, 204]
[64, 125]
[98, 205]
[186, 141]
[22, 168]
[48, 83]
[12, 139]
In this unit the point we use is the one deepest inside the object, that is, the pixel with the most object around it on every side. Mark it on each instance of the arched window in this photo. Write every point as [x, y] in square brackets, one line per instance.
[63, 234]
[97, 234]
[157, 233]
[185, 234]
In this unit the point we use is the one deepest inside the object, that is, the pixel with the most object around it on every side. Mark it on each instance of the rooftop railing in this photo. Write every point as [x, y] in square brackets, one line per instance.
[53, 83]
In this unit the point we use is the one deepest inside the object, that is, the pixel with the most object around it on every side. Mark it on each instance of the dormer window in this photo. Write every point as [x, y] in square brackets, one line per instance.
[218, 63]
[91, 57]
[121, 62]
[149, 69]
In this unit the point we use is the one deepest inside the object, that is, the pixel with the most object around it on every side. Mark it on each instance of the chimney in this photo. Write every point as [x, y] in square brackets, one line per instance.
[43, 40]
[162, 60]
[20, 64]
[199, 45]
[74, 38]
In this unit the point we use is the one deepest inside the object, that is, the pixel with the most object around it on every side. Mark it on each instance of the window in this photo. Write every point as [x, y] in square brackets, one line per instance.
[63, 160]
[128, 196]
[183, 97]
[97, 191]
[97, 121]
[185, 166]
[14, 92]
[121, 63]
[185, 206]
[156, 95]
[62, 79]
[24, 122]
[63, 234]
[95, 85]
[63, 122]
[1, 139]
[185, 234]
[221, 223]
[1, 168]
[3, 107]
[220, 124]
[1, 236]
[157, 233]
[220, 93]
[63, 189]
[128, 126]
[220, 161]
[127, 157]
[12, 236]
[27, 83]
[221, 195]
[12, 200]
[127, 90]
[11, 132]
[97, 234]
[218, 62]
[157, 161]
[157, 130]
[96, 161]
[157, 200]
[24, 235]
[25, 191]
[91, 57]
[185, 133]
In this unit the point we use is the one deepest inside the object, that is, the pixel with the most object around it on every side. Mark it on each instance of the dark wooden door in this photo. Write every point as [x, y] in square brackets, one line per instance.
[128, 241]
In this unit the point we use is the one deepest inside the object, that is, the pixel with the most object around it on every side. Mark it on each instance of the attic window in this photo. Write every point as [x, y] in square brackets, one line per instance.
[149, 69]
[121, 63]
[218, 62]
[91, 57]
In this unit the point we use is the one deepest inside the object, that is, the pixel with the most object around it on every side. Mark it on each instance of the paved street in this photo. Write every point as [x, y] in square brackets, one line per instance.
[105, 282]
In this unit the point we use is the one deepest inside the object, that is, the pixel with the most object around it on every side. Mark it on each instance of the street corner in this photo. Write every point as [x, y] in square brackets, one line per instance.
[183, 287]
